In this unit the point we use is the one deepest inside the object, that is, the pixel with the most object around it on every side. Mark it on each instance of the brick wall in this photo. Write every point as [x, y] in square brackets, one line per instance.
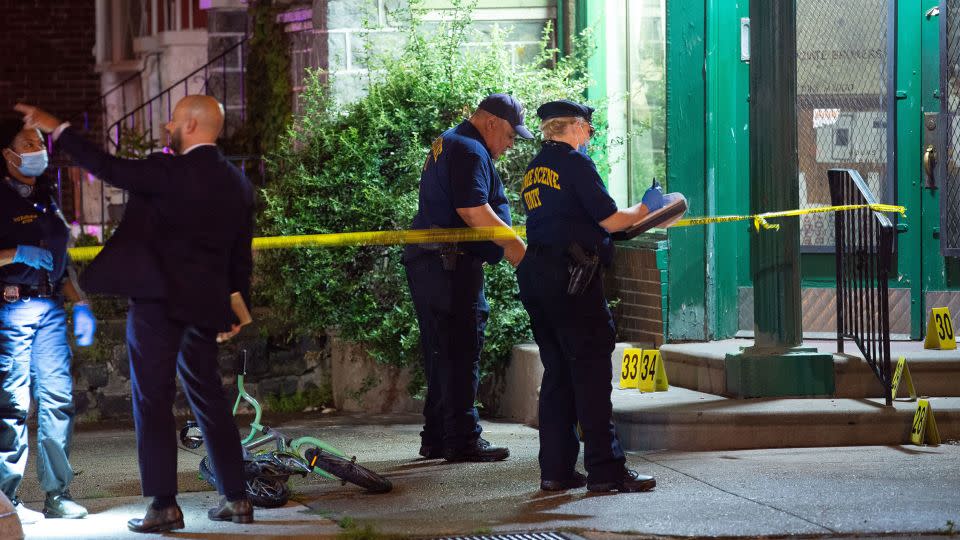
[638, 280]
[48, 56]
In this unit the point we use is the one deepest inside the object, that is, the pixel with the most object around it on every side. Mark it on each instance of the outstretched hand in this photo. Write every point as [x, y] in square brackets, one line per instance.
[37, 118]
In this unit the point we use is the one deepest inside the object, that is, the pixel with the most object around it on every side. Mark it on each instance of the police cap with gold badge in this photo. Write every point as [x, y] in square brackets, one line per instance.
[564, 108]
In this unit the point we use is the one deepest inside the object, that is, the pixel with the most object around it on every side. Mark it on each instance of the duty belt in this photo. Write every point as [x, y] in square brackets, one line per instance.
[14, 291]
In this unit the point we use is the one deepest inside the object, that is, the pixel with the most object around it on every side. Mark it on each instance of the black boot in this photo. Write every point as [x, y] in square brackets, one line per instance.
[480, 450]
[628, 482]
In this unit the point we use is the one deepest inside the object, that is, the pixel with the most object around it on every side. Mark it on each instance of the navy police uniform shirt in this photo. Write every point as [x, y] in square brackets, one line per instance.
[566, 200]
[459, 173]
[32, 221]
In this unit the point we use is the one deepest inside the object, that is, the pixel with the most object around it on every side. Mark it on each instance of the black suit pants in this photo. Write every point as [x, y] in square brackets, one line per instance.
[161, 348]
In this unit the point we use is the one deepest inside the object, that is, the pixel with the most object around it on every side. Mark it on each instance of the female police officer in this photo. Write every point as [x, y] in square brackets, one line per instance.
[34, 354]
[569, 218]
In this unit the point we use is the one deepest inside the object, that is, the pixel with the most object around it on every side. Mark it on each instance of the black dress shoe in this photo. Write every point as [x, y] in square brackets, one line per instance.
[430, 451]
[236, 511]
[479, 451]
[629, 482]
[575, 481]
[163, 520]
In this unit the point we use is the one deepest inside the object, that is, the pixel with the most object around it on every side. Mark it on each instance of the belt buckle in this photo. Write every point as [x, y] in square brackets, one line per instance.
[11, 293]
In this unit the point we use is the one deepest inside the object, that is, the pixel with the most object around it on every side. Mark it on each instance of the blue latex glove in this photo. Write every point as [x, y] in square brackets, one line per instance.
[35, 257]
[653, 198]
[84, 324]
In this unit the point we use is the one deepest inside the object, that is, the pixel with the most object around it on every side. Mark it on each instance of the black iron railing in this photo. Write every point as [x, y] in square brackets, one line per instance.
[118, 95]
[144, 122]
[864, 253]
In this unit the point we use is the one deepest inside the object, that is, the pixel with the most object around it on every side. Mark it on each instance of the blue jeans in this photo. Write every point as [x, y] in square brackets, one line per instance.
[35, 362]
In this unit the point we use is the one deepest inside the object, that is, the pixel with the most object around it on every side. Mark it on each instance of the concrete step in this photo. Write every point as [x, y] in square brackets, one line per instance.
[689, 419]
[701, 366]
[682, 419]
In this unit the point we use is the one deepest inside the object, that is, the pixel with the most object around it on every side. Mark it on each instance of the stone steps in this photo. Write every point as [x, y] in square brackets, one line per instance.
[682, 419]
[691, 419]
[701, 366]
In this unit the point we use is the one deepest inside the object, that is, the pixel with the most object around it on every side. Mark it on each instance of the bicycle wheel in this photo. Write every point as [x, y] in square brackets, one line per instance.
[266, 484]
[347, 470]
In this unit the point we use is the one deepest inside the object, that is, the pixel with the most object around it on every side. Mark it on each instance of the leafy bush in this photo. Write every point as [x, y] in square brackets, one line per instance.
[357, 167]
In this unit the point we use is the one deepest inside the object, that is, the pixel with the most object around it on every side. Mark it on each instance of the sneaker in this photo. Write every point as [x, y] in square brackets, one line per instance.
[26, 515]
[479, 451]
[61, 505]
[629, 482]
[575, 481]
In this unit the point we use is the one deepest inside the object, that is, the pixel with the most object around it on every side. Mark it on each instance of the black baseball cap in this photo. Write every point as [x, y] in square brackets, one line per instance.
[510, 109]
[564, 108]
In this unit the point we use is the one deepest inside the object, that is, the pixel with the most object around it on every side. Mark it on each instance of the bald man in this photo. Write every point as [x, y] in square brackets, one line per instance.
[182, 248]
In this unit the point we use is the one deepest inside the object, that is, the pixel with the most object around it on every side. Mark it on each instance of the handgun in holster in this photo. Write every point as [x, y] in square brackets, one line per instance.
[582, 268]
[449, 253]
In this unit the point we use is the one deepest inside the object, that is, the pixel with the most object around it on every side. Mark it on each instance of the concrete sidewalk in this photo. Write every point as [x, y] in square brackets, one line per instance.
[823, 492]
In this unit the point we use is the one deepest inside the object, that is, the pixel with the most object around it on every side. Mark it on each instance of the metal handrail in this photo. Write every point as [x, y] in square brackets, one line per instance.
[864, 255]
[114, 131]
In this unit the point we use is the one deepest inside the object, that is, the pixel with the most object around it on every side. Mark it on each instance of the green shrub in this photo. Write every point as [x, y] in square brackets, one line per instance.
[357, 167]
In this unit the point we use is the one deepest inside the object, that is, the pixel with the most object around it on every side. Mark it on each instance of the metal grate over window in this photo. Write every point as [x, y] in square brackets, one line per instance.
[949, 164]
[843, 94]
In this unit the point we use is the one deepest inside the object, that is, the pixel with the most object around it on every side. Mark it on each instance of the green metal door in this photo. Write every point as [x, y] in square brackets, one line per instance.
[935, 172]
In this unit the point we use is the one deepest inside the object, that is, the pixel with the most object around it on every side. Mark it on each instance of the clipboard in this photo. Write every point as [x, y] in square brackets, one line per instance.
[671, 212]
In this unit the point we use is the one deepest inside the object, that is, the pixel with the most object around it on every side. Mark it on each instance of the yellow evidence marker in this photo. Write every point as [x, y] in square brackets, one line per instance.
[630, 368]
[902, 375]
[924, 425]
[940, 330]
[653, 377]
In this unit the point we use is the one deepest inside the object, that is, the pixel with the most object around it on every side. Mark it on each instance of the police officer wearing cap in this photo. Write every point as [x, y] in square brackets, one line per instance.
[570, 217]
[34, 352]
[459, 187]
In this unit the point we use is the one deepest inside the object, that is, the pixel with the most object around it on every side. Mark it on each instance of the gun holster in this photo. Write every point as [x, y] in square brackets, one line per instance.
[449, 253]
[582, 268]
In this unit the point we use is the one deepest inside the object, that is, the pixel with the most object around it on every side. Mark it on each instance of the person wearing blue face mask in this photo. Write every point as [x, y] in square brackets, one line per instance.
[34, 351]
[570, 218]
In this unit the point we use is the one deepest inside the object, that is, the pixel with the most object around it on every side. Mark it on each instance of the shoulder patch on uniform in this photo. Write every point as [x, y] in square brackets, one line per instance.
[437, 148]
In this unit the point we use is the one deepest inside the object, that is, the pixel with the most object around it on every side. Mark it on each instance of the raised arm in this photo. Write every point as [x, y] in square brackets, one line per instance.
[145, 176]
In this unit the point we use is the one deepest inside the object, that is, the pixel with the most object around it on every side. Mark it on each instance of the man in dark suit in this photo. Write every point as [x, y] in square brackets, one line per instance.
[183, 247]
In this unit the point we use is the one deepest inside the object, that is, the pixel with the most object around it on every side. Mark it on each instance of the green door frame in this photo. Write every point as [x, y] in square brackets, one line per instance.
[939, 273]
[707, 160]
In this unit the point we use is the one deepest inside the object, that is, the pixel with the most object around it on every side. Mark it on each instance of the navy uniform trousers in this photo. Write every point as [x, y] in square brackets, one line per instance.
[452, 314]
[576, 337]
[160, 349]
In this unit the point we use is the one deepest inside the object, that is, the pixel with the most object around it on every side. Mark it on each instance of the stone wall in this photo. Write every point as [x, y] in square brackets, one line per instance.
[325, 371]
[334, 35]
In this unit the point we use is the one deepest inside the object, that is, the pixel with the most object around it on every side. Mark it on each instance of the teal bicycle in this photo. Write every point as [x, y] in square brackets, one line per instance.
[270, 457]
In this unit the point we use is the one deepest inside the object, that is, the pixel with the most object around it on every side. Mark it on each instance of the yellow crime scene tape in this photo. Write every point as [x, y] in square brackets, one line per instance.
[424, 236]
